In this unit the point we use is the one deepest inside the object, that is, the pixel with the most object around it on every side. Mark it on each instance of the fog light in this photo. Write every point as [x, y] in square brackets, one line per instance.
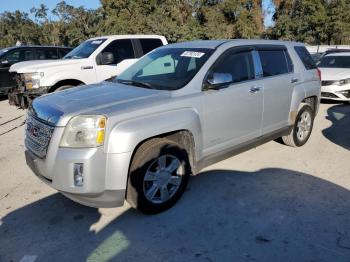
[78, 174]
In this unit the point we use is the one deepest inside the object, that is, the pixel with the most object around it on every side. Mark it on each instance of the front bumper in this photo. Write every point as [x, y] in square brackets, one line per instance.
[104, 174]
[22, 98]
[335, 92]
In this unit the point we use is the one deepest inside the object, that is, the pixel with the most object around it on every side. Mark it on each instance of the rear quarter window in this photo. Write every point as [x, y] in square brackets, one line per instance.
[275, 62]
[148, 44]
[305, 57]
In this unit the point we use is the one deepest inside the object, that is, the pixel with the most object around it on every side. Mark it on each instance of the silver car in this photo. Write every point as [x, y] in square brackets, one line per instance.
[178, 109]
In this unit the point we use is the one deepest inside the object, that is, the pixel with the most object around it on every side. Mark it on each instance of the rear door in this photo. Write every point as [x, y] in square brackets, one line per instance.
[279, 80]
[121, 49]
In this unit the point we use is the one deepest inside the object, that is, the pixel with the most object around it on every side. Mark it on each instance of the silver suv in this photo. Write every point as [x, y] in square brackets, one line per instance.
[178, 109]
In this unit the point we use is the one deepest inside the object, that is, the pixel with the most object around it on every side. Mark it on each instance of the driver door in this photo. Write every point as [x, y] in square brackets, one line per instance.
[109, 60]
[232, 102]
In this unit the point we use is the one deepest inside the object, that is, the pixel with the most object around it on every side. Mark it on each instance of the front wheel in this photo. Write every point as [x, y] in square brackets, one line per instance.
[158, 176]
[302, 128]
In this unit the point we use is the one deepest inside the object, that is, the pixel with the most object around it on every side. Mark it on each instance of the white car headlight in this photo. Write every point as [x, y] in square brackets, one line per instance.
[343, 82]
[32, 80]
[84, 131]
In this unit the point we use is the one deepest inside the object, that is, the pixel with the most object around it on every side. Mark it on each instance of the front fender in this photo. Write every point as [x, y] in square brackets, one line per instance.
[53, 79]
[126, 135]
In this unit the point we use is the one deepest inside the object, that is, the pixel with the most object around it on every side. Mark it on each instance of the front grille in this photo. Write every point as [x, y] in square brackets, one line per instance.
[327, 83]
[330, 95]
[18, 79]
[38, 136]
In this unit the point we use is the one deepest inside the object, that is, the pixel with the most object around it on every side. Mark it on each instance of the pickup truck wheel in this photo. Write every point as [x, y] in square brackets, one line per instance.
[158, 176]
[302, 128]
[63, 88]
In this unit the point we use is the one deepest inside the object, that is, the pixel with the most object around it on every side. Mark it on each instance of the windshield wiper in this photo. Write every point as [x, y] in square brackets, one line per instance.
[136, 83]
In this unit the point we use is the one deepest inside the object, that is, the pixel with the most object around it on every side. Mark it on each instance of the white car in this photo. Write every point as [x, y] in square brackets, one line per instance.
[93, 61]
[335, 73]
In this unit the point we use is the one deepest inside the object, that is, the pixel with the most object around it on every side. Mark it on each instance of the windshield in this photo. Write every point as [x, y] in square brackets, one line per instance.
[335, 62]
[85, 49]
[166, 68]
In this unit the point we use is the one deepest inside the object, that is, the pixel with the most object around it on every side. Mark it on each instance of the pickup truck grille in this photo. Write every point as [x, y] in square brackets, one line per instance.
[37, 136]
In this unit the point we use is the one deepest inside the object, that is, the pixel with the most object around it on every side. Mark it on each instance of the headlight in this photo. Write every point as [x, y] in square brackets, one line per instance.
[84, 131]
[343, 82]
[32, 80]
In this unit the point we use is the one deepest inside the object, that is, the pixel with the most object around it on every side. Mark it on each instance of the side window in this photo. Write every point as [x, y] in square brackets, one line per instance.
[121, 49]
[28, 54]
[305, 57]
[233, 67]
[51, 54]
[274, 62]
[63, 52]
[149, 44]
[162, 65]
[13, 57]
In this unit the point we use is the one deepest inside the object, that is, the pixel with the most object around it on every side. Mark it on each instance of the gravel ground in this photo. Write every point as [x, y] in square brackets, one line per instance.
[272, 203]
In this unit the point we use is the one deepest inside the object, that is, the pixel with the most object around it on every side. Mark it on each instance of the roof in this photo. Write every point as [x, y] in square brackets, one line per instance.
[35, 46]
[213, 44]
[126, 36]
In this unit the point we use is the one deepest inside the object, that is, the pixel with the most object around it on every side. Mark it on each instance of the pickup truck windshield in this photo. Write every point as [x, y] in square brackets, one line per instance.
[84, 50]
[166, 68]
[335, 62]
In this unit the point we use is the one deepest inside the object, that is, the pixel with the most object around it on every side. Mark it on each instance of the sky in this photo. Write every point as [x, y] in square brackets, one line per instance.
[26, 5]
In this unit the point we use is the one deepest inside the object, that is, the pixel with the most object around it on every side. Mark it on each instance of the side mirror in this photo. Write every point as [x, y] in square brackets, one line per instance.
[218, 80]
[106, 58]
[5, 63]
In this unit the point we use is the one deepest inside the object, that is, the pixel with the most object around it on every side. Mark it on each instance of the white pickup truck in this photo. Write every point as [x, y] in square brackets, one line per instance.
[93, 61]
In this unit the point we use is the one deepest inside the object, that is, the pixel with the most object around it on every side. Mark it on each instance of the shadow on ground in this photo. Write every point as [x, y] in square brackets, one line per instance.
[2, 97]
[339, 132]
[268, 215]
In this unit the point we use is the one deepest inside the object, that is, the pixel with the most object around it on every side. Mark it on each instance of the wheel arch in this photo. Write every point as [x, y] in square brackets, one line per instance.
[73, 82]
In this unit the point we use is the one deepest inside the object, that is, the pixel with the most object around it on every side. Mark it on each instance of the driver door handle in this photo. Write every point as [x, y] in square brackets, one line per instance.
[255, 89]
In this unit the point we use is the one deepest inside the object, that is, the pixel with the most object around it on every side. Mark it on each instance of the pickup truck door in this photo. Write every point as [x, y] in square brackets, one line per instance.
[110, 62]
[233, 108]
[279, 81]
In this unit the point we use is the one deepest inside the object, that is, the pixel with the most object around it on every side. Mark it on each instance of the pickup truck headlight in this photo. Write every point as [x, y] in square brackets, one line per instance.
[32, 80]
[343, 82]
[84, 131]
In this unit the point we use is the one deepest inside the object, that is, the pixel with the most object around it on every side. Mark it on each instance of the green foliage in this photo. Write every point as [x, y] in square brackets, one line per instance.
[312, 21]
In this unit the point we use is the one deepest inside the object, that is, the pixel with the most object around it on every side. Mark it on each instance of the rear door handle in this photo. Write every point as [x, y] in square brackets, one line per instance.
[294, 80]
[86, 67]
[255, 89]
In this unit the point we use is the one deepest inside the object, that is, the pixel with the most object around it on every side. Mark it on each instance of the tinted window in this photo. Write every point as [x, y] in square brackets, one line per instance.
[234, 67]
[274, 62]
[335, 62]
[41, 54]
[63, 52]
[149, 44]
[166, 68]
[305, 57]
[121, 49]
[19, 56]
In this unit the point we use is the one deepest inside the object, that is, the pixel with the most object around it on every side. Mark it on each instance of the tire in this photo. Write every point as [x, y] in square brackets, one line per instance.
[297, 137]
[63, 88]
[158, 176]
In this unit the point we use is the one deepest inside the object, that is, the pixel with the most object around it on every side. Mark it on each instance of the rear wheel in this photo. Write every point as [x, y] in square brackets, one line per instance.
[302, 128]
[158, 176]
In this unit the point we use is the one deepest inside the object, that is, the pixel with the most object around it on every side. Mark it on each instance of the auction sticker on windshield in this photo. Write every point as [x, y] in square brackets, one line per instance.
[192, 54]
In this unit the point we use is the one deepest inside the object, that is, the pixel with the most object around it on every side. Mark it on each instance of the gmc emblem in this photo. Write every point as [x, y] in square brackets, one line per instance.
[31, 129]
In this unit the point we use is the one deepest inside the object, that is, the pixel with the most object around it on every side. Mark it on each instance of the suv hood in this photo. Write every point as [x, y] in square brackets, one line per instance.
[40, 65]
[105, 98]
[332, 74]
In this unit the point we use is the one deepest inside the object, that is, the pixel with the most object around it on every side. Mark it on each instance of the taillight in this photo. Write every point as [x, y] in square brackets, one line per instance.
[319, 73]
